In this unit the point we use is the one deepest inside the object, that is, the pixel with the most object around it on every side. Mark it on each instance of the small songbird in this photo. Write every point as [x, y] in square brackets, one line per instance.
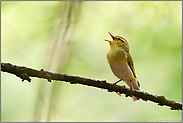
[121, 63]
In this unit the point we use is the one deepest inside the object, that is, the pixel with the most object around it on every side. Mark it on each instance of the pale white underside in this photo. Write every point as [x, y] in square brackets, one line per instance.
[124, 72]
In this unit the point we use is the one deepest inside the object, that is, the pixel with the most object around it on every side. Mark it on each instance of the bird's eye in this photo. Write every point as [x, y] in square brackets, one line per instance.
[120, 39]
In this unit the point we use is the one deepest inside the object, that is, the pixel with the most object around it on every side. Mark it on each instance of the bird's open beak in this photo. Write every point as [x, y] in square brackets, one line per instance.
[112, 38]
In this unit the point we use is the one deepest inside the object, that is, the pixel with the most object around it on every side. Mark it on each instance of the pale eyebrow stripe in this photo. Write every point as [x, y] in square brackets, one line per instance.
[123, 39]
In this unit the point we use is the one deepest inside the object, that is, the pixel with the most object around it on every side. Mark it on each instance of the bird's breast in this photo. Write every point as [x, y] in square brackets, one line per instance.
[119, 65]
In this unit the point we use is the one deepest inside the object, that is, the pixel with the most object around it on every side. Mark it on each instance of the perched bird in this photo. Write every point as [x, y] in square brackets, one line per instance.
[121, 63]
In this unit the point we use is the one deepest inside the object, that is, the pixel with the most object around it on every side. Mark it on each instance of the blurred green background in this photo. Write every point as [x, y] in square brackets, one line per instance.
[68, 37]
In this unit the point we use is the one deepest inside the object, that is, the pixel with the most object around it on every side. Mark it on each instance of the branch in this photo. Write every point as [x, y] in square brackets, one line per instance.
[25, 73]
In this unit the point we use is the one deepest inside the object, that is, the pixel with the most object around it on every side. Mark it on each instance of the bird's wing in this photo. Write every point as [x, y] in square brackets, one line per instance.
[130, 63]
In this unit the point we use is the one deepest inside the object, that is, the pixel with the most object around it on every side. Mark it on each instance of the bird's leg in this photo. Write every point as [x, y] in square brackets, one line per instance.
[117, 82]
[131, 88]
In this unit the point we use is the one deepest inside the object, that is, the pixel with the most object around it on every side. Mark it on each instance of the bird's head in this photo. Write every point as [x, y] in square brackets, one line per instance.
[118, 42]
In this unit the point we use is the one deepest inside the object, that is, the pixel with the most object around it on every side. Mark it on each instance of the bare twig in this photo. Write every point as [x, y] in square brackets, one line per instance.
[25, 73]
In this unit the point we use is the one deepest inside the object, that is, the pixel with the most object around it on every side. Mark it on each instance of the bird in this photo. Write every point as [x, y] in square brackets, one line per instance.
[121, 63]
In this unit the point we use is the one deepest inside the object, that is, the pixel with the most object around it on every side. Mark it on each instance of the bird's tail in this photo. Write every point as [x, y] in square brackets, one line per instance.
[134, 98]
